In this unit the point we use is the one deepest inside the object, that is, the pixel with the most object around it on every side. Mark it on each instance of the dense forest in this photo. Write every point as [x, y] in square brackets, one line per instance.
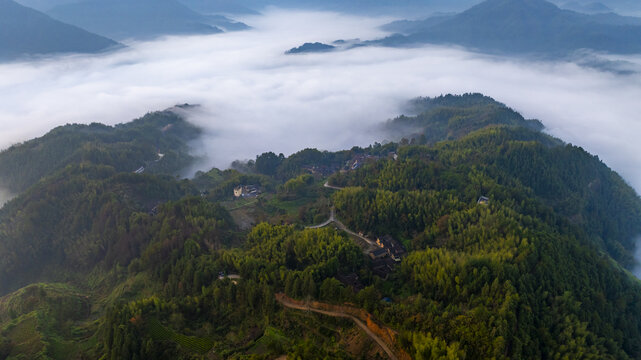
[517, 246]
[127, 147]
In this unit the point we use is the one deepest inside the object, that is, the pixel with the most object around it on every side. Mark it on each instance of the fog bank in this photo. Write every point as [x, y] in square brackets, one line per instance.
[4, 197]
[255, 99]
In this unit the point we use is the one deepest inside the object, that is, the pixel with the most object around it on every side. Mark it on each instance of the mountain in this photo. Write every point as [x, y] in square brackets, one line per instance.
[371, 7]
[142, 19]
[451, 117]
[499, 241]
[311, 47]
[588, 8]
[601, 6]
[25, 32]
[44, 5]
[126, 147]
[525, 27]
[233, 7]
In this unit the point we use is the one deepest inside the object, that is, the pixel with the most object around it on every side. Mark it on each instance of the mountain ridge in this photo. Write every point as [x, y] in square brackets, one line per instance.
[143, 19]
[524, 27]
[27, 32]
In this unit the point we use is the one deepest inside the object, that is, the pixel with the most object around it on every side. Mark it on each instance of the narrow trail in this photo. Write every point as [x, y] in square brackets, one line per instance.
[341, 226]
[327, 185]
[289, 304]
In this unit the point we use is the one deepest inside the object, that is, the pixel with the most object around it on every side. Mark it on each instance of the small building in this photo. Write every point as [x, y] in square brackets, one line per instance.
[483, 200]
[154, 211]
[383, 267]
[378, 254]
[246, 191]
[393, 247]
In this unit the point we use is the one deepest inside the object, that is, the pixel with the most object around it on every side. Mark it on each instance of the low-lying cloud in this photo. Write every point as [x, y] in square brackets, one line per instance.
[5, 196]
[255, 99]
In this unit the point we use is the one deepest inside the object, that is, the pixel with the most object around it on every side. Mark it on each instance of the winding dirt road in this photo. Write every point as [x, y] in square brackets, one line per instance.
[289, 304]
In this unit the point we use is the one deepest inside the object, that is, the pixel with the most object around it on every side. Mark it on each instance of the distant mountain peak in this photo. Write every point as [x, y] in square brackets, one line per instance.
[25, 31]
[524, 27]
[141, 19]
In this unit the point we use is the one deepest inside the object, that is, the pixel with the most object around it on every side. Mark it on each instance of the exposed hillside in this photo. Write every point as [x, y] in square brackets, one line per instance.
[142, 19]
[25, 31]
[157, 142]
[524, 27]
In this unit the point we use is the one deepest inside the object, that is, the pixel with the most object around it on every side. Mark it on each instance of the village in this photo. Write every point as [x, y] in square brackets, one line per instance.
[384, 253]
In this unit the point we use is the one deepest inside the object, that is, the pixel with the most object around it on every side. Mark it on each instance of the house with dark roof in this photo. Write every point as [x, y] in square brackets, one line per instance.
[246, 191]
[383, 266]
[393, 247]
[378, 254]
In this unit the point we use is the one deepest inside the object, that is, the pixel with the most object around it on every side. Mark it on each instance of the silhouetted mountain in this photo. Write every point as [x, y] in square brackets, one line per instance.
[143, 19]
[225, 23]
[599, 6]
[588, 8]
[310, 47]
[44, 5]
[25, 31]
[387, 7]
[526, 27]
[218, 6]
[412, 26]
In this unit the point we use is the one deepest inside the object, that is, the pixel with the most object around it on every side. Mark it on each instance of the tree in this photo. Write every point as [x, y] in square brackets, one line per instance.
[267, 163]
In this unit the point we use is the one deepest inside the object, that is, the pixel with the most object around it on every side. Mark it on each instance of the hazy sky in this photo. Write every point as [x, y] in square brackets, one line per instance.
[257, 99]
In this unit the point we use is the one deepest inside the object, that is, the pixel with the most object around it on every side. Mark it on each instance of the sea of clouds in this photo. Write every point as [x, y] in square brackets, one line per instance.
[255, 98]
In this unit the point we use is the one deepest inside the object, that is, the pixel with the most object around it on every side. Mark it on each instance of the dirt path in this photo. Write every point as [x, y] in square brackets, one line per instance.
[332, 219]
[327, 185]
[286, 303]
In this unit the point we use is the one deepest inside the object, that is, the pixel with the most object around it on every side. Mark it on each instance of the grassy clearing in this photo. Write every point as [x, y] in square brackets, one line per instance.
[291, 207]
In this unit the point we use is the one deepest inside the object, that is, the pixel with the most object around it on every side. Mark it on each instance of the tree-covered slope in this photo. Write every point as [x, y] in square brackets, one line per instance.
[126, 147]
[496, 146]
[77, 218]
[537, 271]
[25, 31]
[527, 276]
[454, 116]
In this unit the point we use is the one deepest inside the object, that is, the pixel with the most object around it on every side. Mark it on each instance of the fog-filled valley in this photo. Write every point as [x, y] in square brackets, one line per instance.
[251, 94]
[261, 179]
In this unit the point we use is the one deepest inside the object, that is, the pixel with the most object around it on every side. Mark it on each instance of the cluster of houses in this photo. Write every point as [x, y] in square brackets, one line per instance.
[244, 191]
[389, 252]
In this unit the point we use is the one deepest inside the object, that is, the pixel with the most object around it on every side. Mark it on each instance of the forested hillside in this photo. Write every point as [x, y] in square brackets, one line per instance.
[126, 147]
[515, 245]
